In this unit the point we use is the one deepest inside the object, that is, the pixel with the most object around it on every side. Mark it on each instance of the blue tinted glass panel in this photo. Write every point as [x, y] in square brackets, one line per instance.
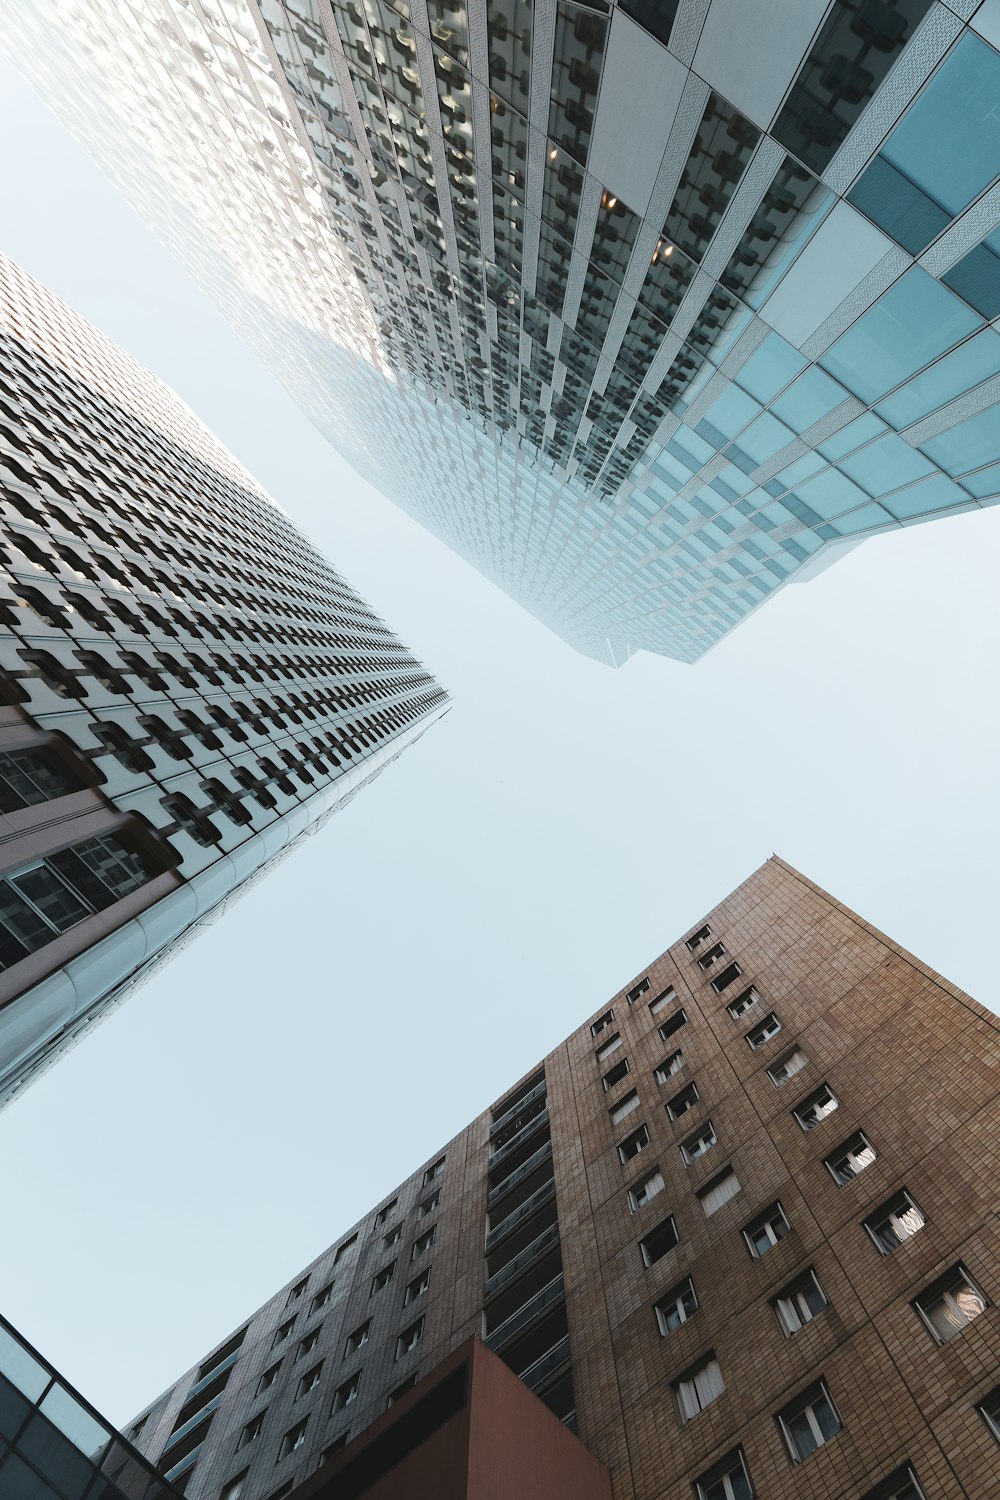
[802, 469]
[831, 494]
[864, 519]
[812, 396]
[861, 430]
[937, 493]
[886, 196]
[733, 410]
[985, 484]
[970, 445]
[911, 324]
[770, 368]
[976, 278]
[886, 465]
[972, 362]
[766, 437]
[948, 142]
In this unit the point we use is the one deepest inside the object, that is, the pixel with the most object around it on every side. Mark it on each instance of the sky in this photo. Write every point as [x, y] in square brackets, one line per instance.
[532, 853]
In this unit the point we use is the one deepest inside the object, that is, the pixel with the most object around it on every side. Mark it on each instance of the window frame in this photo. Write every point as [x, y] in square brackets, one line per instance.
[943, 1287]
[793, 1290]
[882, 1216]
[763, 1040]
[705, 1129]
[803, 1405]
[668, 1223]
[723, 1471]
[810, 1101]
[641, 1136]
[676, 1297]
[844, 1151]
[634, 1205]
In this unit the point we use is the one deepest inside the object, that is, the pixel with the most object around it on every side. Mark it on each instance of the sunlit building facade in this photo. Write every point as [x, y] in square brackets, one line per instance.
[645, 309]
[187, 688]
[737, 1233]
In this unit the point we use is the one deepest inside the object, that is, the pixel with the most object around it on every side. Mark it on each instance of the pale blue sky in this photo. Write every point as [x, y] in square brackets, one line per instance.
[558, 829]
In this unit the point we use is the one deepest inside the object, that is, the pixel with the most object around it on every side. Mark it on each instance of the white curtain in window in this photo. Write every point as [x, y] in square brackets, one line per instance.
[906, 1222]
[706, 1385]
[719, 1193]
[625, 1108]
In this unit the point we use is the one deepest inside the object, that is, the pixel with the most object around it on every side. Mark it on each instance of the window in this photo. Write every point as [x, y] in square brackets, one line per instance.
[434, 1172]
[682, 1102]
[423, 1243]
[654, 1245]
[252, 1429]
[297, 1290]
[383, 1277]
[321, 1298]
[633, 1144]
[764, 1232]
[337, 1446]
[718, 1191]
[665, 998]
[640, 1195]
[602, 1023]
[711, 956]
[627, 1105]
[347, 1393]
[615, 1075]
[814, 1110]
[726, 978]
[268, 1378]
[409, 1338]
[742, 1003]
[393, 1237]
[950, 1303]
[675, 1023]
[358, 1339]
[31, 776]
[901, 1484]
[417, 1287]
[385, 1212]
[345, 1249]
[640, 989]
[850, 1158]
[894, 1222]
[294, 1438]
[786, 1067]
[281, 1334]
[231, 1491]
[429, 1205]
[611, 1045]
[764, 1031]
[308, 1344]
[699, 1387]
[401, 1389]
[726, 1480]
[309, 1381]
[282, 1491]
[669, 1066]
[697, 938]
[800, 1302]
[808, 1422]
[696, 1145]
[989, 1410]
[676, 1306]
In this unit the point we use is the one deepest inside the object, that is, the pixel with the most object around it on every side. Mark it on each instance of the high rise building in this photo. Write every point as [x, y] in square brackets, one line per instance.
[738, 1232]
[644, 308]
[187, 688]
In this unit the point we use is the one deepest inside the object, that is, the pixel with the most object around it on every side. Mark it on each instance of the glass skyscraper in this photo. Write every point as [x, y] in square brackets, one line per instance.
[644, 308]
[187, 688]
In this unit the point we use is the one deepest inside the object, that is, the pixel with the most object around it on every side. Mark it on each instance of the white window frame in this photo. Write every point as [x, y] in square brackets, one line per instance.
[664, 998]
[358, 1339]
[602, 1023]
[313, 1376]
[232, 1490]
[676, 1300]
[901, 1482]
[638, 990]
[814, 1101]
[888, 1217]
[739, 1007]
[804, 1408]
[649, 1188]
[846, 1153]
[989, 1410]
[673, 1024]
[790, 1303]
[697, 938]
[699, 1387]
[706, 1194]
[943, 1292]
[766, 1220]
[624, 1107]
[669, 1067]
[608, 1048]
[347, 1392]
[641, 1146]
[690, 1094]
[409, 1339]
[703, 1139]
[722, 1473]
[423, 1243]
[761, 1033]
[780, 1067]
[711, 958]
[608, 1082]
[649, 1260]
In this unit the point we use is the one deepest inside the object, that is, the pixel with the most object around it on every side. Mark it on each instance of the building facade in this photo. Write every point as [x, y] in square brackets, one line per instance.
[738, 1232]
[187, 688]
[644, 308]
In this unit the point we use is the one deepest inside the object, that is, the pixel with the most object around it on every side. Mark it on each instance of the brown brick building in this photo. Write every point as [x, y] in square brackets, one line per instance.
[739, 1232]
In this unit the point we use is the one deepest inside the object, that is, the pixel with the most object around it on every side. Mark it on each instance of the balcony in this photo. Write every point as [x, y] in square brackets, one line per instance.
[523, 1211]
[509, 1117]
[203, 1414]
[520, 1172]
[528, 1313]
[213, 1375]
[547, 1365]
[548, 1238]
[516, 1142]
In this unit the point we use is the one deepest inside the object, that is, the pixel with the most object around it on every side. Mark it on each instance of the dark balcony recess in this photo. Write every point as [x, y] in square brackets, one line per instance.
[520, 1107]
[526, 1315]
[518, 1175]
[521, 1261]
[524, 1210]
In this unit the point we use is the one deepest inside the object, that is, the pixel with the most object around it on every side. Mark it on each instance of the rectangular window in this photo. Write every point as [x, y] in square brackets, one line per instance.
[729, 1479]
[252, 1429]
[347, 1393]
[675, 1023]
[717, 1192]
[294, 1438]
[786, 1067]
[417, 1287]
[697, 938]
[743, 1003]
[764, 1232]
[950, 1303]
[423, 1243]
[434, 1172]
[640, 989]
[726, 978]
[901, 1484]
[800, 1302]
[409, 1338]
[358, 1339]
[308, 1344]
[699, 1387]
[989, 1410]
[696, 1145]
[682, 1102]
[615, 1075]
[297, 1290]
[808, 1422]
[602, 1023]
[669, 1066]
[321, 1298]
[640, 1195]
[633, 1144]
[850, 1158]
[281, 1334]
[676, 1306]
[338, 1444]
[309, 1381]
[894, 1222]
[814, 1109]
[429, 1205]
[400, 1391]
[764, 1031]
[386, 1212]
[611, 1045]
[232, 1490]
[627, 1105]
[268, 1378]
[711, 956]
[665, 998]
[654, 1245]
[345, 1249]
[393, 1237]
[382, 1278]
